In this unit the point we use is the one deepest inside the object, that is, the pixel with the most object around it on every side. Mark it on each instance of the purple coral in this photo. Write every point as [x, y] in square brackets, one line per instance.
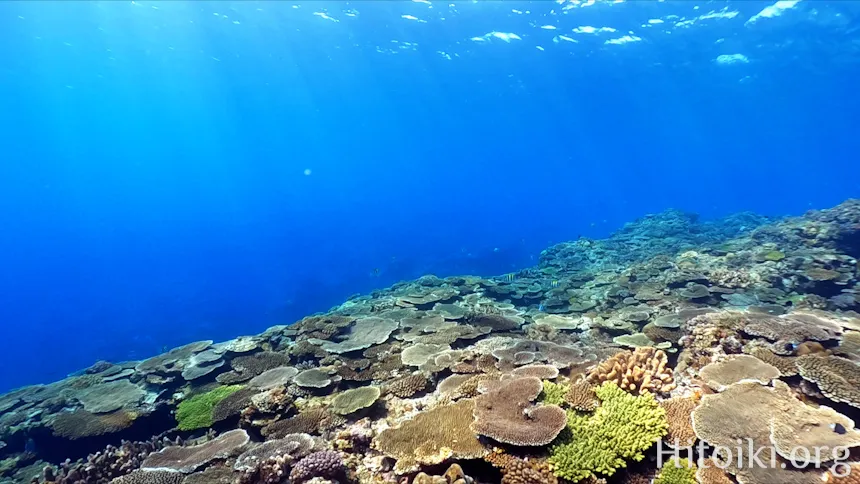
[325, 463]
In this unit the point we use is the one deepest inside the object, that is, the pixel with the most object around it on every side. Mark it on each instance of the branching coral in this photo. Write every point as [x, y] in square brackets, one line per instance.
[580, 396]
[553, 393]
[643, 370]
[521, 471]
[677, 471]
[621, 429]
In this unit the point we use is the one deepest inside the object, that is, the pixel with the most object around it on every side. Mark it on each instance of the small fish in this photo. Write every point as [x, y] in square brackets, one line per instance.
[164, 349]
[375, 272]
[509, 277]
[554, 283]
[541, 307]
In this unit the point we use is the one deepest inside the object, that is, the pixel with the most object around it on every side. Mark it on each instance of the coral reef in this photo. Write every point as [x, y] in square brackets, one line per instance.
[672, 328]
[432, 437]
[642, 370]
[622, 428]
[506, 414]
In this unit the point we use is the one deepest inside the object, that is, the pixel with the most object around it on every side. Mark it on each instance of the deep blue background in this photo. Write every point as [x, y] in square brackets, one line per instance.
[152, 188]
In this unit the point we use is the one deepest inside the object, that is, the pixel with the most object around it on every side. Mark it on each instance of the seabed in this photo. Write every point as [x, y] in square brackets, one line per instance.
[735, 335]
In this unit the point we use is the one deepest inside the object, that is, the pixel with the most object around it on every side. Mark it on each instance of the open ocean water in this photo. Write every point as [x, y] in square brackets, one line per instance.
[176, 171]
[184, 170]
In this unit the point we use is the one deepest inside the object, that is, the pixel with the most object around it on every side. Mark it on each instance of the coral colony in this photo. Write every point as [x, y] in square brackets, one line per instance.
[673, 352]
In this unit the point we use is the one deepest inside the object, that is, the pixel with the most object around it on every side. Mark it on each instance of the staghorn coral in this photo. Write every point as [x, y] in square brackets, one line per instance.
[506, 414]
[326, 464]
[188, 459]
[197, 412]
[432, 437]
[836, 377]
[736, 368]
[580, 396]
[407, 386]
[621, 429]
[80, 423]
[642, 370]
[679, 412]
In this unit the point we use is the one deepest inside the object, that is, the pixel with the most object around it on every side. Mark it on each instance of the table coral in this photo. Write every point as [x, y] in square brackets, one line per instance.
[621, 429]
[735, 368]
[836, 377]
[507, 414]
[188, 459]
[432, 437]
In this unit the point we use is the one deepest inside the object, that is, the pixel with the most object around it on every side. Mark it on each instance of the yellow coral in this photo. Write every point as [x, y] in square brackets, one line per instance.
[621, 429]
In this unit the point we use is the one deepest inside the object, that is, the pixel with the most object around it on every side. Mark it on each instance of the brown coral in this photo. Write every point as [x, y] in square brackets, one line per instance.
[521, 471]
[639, 371]
[785, 364]
[311, 421]
[507, 414]
[678, 413]
[407, 386]
[580, 396]
[836, 377]
[80, 423]
[432, 437]
[188, 459]
[771, 417]
[735, 368]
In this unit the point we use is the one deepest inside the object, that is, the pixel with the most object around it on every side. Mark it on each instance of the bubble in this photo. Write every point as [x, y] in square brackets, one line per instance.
[307, 172]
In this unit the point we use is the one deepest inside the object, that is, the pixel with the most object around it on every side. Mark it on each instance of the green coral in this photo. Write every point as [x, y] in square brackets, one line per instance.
[677, 471]
[553, 393]
[196, 412]
[621, 429]
[774, 256]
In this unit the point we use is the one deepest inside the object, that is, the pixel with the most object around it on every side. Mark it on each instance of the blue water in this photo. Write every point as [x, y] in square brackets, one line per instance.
[174, 171]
